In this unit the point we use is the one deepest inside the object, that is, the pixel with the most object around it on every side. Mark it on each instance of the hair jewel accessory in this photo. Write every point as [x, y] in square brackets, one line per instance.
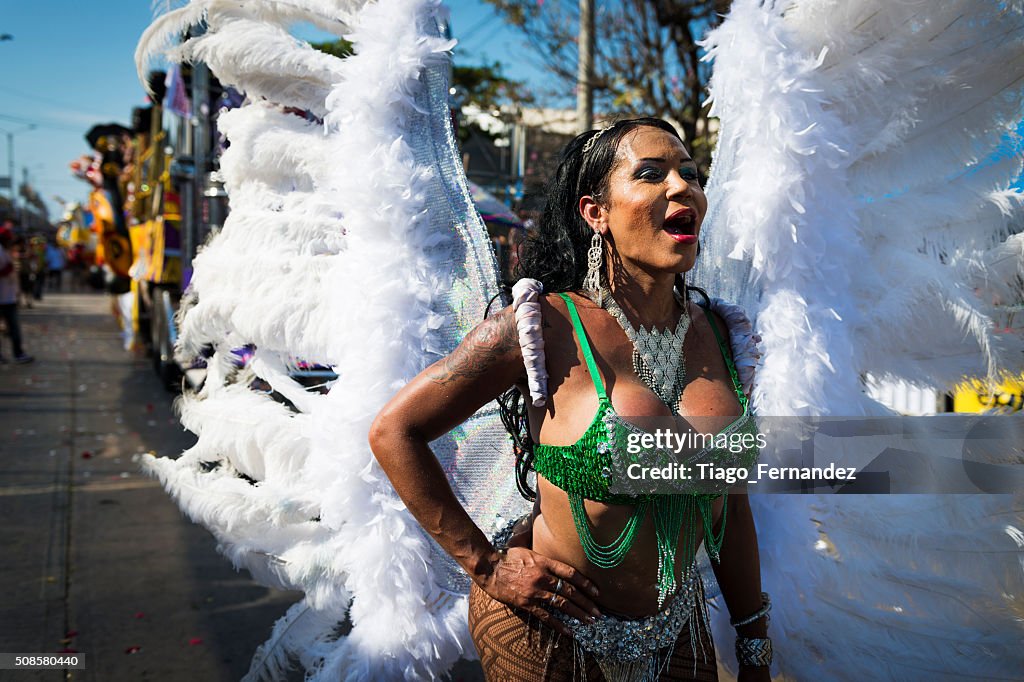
[590, 143]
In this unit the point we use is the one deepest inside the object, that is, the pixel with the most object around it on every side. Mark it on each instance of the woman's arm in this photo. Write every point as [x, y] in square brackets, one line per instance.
[739, 575]
[441, 397]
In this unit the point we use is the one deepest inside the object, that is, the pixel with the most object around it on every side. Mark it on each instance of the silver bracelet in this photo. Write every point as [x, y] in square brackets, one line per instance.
[766, 606]
[754, 651]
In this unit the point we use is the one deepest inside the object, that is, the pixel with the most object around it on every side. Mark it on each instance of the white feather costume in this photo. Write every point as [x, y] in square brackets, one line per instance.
[861, 211]
[354, 244]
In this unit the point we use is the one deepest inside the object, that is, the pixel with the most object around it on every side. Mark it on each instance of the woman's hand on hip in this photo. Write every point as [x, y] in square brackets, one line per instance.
[536, 584]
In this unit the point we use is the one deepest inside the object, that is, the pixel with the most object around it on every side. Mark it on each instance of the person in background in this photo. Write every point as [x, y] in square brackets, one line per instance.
[21, 252]
[9, 296]
[78, 266]
[37, 260]
[54, 265]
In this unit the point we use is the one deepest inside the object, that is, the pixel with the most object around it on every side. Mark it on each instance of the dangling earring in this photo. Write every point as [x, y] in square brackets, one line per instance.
[595, 260]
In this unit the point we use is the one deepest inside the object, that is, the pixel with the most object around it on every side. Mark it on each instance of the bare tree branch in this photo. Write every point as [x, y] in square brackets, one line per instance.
[647, 61]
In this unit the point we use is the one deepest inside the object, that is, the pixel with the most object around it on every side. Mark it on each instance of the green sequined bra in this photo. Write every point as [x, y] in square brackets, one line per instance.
[590, 468]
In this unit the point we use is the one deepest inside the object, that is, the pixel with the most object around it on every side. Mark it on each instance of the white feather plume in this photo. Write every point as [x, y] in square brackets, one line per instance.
[329, 256]
[858, 174]
[861, 208]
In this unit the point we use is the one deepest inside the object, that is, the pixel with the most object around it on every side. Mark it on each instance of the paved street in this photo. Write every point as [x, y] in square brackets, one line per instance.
[96, 557]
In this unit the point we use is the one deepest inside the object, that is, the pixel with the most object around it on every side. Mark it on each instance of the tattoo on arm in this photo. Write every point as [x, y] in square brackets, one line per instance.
[478, 352]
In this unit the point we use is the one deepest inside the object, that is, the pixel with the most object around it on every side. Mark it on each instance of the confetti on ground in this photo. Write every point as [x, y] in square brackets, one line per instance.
[86, 455]
[133, 650]
[195, 641]
[139, 615]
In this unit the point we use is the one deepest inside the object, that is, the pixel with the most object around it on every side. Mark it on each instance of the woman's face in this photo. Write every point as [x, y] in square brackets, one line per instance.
[654, 206]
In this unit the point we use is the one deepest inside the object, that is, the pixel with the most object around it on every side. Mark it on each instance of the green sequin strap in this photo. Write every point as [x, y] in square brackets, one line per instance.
[733, 374]
[588, 355]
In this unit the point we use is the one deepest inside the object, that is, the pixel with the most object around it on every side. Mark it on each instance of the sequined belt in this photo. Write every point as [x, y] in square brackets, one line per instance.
[623, 640]
[626, 640]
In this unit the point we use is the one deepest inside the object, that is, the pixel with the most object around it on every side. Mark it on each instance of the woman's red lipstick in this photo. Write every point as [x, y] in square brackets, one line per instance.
[684, 238]
[682, 226]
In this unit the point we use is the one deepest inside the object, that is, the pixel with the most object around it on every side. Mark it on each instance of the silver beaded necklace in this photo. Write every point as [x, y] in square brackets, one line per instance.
[657, 354]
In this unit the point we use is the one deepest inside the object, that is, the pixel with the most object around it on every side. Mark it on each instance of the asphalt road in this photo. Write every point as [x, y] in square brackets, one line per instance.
[96, 557]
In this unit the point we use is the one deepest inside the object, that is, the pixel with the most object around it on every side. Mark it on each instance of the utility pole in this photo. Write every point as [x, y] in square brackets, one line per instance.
[24, 199]
[10, 166]
[10, 160]
[585, 68]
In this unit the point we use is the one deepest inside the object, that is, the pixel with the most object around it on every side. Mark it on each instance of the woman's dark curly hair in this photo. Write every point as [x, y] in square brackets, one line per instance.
[556, 253]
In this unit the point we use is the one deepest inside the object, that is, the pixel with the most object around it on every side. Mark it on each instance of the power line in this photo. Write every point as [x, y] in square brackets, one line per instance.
[41, 124]
[37, 98]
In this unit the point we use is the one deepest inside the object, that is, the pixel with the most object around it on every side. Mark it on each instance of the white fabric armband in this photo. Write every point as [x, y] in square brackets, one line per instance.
[742, 340]
[526, 306]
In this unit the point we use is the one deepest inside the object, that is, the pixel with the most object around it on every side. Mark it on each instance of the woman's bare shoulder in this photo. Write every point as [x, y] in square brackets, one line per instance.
[710, 314]
[558, 306]
[711, 330]
[557, 321]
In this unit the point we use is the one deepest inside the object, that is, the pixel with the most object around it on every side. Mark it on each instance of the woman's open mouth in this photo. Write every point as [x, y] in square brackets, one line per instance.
[682, 226]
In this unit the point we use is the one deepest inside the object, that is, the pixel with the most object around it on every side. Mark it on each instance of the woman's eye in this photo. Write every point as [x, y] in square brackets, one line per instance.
[654, 174]
[650, 173]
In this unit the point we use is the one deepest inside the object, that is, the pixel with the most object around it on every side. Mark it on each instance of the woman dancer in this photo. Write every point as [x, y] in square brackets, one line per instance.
[613, 573]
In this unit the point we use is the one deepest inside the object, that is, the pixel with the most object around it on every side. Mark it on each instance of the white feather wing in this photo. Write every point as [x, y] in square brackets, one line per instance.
[859, 176]
[352, 244]
[861, 207]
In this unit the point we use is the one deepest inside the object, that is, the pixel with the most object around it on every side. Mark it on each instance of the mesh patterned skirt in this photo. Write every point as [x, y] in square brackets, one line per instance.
[514, 647]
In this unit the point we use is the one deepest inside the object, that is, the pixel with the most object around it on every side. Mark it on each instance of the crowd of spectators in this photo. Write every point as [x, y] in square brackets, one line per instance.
[30, 266]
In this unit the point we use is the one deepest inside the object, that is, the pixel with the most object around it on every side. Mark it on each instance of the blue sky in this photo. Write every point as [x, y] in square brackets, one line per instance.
[71, 65]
